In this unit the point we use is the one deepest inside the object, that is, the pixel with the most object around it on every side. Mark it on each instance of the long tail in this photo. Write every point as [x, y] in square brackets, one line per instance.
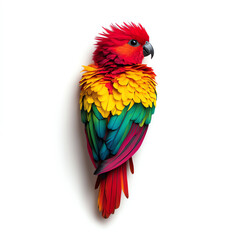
[111, 185]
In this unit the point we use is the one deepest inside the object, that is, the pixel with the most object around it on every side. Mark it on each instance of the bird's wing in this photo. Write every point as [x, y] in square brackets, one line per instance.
[112, 141]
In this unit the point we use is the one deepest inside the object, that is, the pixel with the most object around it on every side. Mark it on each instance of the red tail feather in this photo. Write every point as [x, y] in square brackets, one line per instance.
[110, 186]
[131, 165]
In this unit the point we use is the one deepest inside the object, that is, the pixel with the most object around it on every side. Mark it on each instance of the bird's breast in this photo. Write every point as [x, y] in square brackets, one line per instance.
[112, 95]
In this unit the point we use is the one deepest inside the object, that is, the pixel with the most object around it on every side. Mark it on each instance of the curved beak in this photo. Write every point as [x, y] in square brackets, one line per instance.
[148, 49]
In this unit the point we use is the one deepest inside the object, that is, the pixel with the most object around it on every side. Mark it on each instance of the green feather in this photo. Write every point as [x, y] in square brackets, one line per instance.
[141, 115]
[143, 121]
[153, 109]
[149, 116]
[138, 109]
[95, 156]
[100, 126]
[93, 134]
[96, 112]
[84, 116]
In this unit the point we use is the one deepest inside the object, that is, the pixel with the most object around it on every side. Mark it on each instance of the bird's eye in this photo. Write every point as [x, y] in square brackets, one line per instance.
[133, 43]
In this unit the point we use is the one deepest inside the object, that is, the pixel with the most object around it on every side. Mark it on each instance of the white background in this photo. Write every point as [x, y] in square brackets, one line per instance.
[186, 183]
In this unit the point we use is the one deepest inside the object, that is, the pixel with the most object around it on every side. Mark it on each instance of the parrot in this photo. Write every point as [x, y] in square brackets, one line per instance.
[117, 100]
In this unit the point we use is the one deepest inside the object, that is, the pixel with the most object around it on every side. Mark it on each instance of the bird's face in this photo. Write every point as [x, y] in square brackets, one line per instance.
[122, 45]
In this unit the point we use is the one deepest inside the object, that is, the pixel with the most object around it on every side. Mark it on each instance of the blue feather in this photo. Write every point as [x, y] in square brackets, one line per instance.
[104, 152]
[116, 120]
[122, 139]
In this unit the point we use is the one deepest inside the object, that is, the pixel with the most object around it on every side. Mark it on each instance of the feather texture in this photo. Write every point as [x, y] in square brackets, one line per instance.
[140, 88]
[116, 122]
[117, 101]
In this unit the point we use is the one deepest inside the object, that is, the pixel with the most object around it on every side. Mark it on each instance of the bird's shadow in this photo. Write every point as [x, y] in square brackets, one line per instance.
[81, 160]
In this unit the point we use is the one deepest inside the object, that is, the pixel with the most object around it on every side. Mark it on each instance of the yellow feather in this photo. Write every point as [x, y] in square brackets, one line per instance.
[130, 94]
[89, 99]
[124, 96]
[152, 94]
[145, 104]
[89, 107]
[122, 89]
[146, 95]
[123, 80]
[130, 89]
[97, 87]
[113, 111]
[115, 85]
[116, 94]
[97, 102]
[103, 91]
[139, 89]
[104, 102]
[89, 91]
[118, 112]
[104, 113]
[126, 102]
[103, 98]
[119, 105]
[141, 96]
[80, 99]
[136, 99]
[89, 68]
[134, 86]
[111, 103]
[134, 76]
[85, 104]
[131, 104]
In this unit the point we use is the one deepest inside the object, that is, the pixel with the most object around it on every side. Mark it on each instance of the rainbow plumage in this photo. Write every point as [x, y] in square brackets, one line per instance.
[117, 101]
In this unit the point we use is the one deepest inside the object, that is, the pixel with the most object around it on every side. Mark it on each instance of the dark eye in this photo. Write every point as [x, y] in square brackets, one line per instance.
[133, 43]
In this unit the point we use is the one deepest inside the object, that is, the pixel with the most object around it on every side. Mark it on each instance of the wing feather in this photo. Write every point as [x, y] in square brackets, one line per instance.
[113, 141]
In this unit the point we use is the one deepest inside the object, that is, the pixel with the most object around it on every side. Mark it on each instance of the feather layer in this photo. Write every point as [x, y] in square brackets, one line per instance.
[111, 185]
[116, 108]
[136, 84]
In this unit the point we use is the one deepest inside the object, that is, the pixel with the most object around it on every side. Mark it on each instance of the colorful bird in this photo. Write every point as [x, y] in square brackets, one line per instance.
[117, 100]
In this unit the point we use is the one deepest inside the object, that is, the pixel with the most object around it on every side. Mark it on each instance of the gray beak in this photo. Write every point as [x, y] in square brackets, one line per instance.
[148, 49]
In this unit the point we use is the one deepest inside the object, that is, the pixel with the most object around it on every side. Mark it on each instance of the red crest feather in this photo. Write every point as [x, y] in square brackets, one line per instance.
[119, 34]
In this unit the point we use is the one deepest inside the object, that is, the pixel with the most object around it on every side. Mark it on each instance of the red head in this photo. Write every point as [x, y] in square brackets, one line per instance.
[122, 45]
